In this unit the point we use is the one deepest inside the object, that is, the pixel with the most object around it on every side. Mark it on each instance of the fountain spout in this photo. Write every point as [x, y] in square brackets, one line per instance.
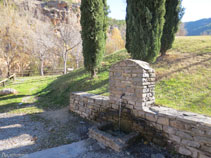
[120, 110]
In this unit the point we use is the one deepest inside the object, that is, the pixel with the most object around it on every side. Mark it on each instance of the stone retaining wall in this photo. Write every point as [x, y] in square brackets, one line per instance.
[88, 105]
[188, 133]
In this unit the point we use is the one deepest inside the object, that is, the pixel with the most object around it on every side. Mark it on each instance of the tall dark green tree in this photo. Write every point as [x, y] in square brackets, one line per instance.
[173, 16]
[145, 20]
[94, 26]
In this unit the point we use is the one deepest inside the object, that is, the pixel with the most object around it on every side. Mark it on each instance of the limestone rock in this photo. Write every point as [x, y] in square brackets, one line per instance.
[8, 91]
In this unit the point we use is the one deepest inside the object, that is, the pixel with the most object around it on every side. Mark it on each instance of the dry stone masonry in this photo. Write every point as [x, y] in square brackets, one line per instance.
[135, 79]
[88, 105]
[116, 142]
[187, 133]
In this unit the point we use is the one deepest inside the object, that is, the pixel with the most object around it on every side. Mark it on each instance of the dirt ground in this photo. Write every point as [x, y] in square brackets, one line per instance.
[22, 134]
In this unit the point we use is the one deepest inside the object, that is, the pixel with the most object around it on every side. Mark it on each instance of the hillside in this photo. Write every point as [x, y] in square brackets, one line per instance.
[200, 27]
[47, 21]
[183, 81]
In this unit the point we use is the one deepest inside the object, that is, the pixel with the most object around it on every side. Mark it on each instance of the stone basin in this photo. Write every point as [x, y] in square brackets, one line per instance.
[109, 136]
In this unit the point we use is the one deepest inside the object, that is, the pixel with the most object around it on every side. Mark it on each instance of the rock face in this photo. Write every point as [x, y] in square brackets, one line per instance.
[55, 11]
[60, 11]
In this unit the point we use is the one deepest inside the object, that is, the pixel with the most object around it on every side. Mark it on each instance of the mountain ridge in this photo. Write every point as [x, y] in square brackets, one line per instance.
[199, 27]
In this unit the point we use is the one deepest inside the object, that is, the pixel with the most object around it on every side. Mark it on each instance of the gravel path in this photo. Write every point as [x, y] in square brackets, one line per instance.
[18, 134]
[22, 134]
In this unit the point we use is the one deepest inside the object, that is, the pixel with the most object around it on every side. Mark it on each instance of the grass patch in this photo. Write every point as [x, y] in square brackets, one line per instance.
[57, 93]
[28, 89]
[183, 81]
[187, 92]
[192, 44]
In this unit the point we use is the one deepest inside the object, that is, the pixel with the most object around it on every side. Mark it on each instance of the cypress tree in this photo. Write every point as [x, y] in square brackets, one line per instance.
[174, 13]
[94, 26]
[145, 20]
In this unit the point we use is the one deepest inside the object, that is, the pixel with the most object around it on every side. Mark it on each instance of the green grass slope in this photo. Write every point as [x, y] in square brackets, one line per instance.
[183, 81]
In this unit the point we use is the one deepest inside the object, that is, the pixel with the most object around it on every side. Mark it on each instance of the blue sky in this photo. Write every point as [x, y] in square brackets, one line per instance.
[194, 9]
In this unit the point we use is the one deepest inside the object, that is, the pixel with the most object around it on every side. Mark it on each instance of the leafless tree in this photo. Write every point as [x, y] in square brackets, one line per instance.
[182, 31]
[70, 39]
[13, 36]
[25, 39]
[43, 42]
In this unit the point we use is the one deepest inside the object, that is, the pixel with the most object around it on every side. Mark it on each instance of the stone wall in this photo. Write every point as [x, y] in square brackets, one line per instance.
[135, 79]
[188, 133]
[88, 105]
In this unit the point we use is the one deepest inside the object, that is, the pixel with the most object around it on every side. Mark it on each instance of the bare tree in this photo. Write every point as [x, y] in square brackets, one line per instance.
[182, 31]
[43, 42]
[26, 39]
[69, 38]
[13, 36]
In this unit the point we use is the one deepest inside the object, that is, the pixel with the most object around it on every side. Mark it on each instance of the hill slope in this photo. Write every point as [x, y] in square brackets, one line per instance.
[183, 81]
[200, 27]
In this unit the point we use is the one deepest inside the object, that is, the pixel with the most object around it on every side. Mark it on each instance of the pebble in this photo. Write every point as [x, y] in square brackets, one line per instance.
[157, 156]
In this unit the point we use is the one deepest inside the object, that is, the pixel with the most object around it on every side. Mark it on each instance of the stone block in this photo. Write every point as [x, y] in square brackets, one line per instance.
[177, 124]
[197, 131]
[175, 138]
[201, 155]
[204, 139]
[184, 135]
[151, 117]
[195, 152]
[206, 148]
[163, 121]
[169, 130]
[184, 151]
[190, 143]
[208, 133]
[156, 126]
[141, 114]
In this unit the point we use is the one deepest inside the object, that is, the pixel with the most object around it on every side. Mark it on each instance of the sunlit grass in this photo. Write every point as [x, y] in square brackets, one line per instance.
[192, 44]
[184, 81]
[28, 89]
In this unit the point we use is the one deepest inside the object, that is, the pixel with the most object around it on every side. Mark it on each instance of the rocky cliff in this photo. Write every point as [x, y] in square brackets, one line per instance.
[53, 10]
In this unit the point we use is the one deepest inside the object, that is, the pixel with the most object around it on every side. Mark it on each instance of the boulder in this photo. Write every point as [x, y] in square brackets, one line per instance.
[8, 91]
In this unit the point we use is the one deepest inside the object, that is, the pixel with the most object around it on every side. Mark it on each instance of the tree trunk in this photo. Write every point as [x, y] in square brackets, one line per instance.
[8, 66]
[93, 74]
[65, 63]
[8, 70]
[77, 64]
[65, 67]
[163, 53]
[41, 67]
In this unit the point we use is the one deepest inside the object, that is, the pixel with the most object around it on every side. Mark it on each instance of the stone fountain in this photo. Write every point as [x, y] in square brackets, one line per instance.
[120, 117]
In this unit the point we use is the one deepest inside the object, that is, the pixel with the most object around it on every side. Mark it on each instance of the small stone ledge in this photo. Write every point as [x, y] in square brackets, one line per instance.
[186, 117]
[115, 143]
